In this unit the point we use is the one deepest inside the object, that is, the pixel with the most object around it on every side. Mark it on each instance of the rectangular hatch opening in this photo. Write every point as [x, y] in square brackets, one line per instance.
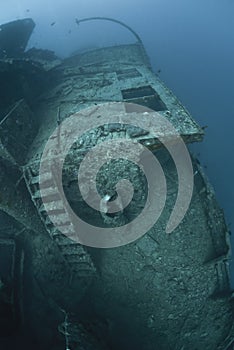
[144, 96]
[128, 73]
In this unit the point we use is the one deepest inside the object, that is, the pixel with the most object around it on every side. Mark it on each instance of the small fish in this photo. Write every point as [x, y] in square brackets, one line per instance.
[69, 32]
[52, 24]
[27, 10]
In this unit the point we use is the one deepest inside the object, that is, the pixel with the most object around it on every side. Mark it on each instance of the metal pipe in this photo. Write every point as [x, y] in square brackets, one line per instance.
[112, 20]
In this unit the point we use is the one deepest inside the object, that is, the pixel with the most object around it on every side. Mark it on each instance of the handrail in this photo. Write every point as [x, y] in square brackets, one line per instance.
[78, 21]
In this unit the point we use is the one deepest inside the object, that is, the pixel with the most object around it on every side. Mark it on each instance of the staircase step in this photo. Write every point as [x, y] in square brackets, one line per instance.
[65, 225]
[83, 270]
[47, 196]
[44, 192]
[71, 249]
[63, 240]
[42, 178]
[50, 207]
[74, 258]
[89, 273]
[61, 219]
[55, 211]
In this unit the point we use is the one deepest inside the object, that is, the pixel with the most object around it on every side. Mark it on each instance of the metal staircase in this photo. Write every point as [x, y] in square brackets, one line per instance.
[74, 253]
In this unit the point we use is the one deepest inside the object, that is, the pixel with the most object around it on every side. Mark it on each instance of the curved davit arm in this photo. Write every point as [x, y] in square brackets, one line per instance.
[78, 21]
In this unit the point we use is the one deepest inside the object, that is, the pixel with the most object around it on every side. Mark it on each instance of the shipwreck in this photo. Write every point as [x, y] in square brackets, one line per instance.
[161, 291]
